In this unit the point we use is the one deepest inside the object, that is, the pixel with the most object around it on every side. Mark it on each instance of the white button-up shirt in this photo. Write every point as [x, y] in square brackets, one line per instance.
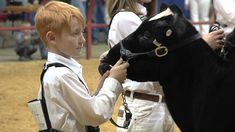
[69, 103]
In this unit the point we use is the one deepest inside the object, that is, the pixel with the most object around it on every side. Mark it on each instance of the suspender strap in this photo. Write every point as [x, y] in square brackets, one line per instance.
[46, 115]
[45, 111]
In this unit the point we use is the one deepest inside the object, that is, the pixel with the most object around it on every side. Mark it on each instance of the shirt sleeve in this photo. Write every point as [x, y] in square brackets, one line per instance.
[72, 96]
[128, 23]
[123, 24]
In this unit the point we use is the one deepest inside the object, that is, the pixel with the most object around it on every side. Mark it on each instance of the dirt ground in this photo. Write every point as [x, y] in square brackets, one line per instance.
[19, 83]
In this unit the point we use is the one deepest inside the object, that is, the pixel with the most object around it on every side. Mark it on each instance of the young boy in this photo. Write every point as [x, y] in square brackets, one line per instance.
[69, 104]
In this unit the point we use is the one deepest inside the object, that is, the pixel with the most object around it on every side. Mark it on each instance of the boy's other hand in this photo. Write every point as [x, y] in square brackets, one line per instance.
[119, 70]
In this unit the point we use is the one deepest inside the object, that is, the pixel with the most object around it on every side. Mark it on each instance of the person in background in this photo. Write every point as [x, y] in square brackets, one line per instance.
[42, 49]
[225, 14]
[81, 4]
[3, 5]
[24, 48]
[70, 106]
[199, 12]
[34, 35]
[99, 17]
[145, 99]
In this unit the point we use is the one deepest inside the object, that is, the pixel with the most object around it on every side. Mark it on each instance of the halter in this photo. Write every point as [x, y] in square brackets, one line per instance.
[160, 51]
[226, 48]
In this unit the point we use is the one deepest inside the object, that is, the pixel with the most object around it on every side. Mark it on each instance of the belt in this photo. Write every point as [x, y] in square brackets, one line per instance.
[143, 96]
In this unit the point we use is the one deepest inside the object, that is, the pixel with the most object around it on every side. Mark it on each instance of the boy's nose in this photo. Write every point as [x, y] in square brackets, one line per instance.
[82, 39]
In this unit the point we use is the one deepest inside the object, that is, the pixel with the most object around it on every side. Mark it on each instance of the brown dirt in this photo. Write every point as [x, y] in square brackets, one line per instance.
[19, 83]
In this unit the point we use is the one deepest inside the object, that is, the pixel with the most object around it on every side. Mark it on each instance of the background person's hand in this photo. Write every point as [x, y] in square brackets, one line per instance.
[119, 70]
[214, 38]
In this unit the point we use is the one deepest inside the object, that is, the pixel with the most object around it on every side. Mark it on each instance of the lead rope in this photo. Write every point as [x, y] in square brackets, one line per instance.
[128, 114]
[127, 111]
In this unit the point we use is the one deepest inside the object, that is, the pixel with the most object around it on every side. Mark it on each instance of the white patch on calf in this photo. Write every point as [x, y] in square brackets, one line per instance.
[155, 42]
[167, 12]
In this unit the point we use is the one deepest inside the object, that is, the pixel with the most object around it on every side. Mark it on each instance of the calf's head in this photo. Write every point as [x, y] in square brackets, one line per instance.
[155, 38]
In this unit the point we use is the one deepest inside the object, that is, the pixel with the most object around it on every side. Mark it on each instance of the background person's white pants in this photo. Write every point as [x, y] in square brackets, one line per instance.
[147, 116]
[199, 12]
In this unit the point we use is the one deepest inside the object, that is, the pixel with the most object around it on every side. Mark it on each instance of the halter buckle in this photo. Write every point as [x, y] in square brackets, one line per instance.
[161, 51]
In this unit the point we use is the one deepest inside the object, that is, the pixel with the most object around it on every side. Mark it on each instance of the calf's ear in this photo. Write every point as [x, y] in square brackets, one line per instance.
[176, 9]
[163, 7]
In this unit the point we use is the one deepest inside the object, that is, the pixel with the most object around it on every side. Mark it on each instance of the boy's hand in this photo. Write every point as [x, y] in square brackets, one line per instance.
[119, 70]
[214, 38]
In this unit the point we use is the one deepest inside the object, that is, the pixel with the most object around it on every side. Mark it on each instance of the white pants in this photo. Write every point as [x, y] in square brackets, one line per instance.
[147, 116]
[199, 12]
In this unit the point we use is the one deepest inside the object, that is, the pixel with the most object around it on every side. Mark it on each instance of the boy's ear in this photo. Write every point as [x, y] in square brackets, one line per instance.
[50, 37]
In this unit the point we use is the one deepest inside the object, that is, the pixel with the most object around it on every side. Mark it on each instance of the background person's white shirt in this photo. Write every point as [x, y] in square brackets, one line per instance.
[225, 13]
[123, 24]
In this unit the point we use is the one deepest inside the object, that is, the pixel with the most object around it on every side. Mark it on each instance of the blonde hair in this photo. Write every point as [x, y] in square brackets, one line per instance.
[114, 6]
[55, 16]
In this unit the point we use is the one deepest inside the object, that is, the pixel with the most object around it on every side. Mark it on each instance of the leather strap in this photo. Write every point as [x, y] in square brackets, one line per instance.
[144, 96]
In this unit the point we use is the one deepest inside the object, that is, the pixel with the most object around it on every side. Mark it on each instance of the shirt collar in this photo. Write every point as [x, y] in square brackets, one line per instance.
[71, 63]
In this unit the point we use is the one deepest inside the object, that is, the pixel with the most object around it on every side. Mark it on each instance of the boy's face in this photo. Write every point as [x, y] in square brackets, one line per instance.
[70, 42]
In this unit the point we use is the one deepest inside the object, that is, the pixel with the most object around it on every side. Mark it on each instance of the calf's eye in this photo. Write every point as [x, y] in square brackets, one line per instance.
[168, 32]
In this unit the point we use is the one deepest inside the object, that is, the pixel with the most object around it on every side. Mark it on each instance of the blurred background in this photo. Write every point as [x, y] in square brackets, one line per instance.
[18, 33]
